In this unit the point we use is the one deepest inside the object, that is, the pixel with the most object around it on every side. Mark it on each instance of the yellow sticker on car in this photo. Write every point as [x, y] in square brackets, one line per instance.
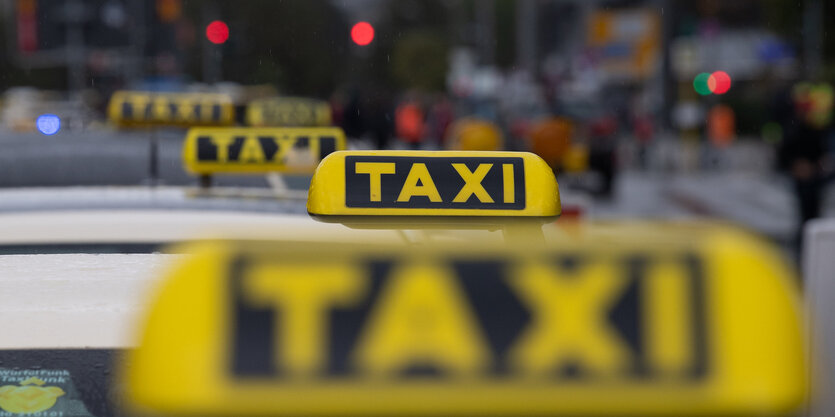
[143, 108]
[259, 150]
[614, 326]
[288, 112]
[29, 397]
[440, 183]
[33, 390]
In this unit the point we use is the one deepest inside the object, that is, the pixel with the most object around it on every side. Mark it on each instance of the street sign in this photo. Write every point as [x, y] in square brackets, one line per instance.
[142, 108]
[694, 325]
[288, 112]
[433, 184]
[209, 150]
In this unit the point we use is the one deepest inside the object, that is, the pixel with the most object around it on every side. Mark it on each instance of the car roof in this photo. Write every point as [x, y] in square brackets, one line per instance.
[253, 200]
[165, 226]
[75, 300]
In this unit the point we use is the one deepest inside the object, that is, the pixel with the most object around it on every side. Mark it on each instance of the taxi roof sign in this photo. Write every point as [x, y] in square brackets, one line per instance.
[288, 112]
[351, 186]
[611, 327]
[208, 150]
[146, 108]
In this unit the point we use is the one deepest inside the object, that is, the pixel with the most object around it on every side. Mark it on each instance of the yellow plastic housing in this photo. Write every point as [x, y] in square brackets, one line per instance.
[427, 184]
[245, 150]
[145, 109]
[690, 324]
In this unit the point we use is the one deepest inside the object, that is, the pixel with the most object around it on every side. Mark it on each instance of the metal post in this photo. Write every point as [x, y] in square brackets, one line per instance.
[813, 38]
[485, 14]
[526, 31]
[668, 88]
[212, 58]
[153, 160]
[135, 69]
[74, 14]
[205, 181]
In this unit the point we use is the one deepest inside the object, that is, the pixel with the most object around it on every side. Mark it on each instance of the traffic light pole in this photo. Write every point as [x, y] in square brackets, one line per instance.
[212, 54]
[75, 15]
[212, 61]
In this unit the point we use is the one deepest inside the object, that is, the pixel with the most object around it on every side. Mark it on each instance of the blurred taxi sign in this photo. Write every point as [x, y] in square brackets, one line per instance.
[474, 135]
[609, 327]
[143, 108]
[455, 184]
[288, 111]
[551, 139]
[208, 150]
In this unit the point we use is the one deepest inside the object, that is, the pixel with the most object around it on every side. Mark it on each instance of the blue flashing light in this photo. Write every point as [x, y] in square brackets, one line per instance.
[48, 124]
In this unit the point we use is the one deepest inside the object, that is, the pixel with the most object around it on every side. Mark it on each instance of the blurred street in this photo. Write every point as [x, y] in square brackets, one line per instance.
[740, 187]
[759, 203]
[97, 158]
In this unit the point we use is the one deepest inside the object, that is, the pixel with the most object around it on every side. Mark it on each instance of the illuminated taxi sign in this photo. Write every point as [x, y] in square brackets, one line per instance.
[140, 108]
[441, 183]
[288, 112]
[605, 328]
[259, 150]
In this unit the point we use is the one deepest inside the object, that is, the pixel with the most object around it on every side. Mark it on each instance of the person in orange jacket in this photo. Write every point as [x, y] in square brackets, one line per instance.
[410, 124]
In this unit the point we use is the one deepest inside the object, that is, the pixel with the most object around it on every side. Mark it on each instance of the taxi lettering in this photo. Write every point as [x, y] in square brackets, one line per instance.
[246, 150]
[259, 149]
[289, 111]
[140, 108]
[182, 109]
[661, 320]
[560, 318]
[496, 183]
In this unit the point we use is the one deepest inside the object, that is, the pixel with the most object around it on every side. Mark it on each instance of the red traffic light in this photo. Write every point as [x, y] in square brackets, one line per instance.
[719, 82]
[362, 33]
[217, 32]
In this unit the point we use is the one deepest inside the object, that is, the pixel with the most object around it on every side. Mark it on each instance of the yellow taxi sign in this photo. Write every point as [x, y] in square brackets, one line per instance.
[209, 150]
[611, 327]
[144, 108]
[288, 112]
[457, 184]
[472, 134]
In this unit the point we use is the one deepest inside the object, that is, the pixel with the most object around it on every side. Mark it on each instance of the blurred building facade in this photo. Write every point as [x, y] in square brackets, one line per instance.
[508, 61]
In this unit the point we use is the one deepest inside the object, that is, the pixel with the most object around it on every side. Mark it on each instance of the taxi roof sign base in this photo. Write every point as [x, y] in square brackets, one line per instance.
[430, 222]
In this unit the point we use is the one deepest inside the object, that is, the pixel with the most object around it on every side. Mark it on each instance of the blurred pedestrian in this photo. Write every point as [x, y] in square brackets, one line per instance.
[337, 104]
[720, 130]
[410, 123]
[721, 125]
[643, 130]
[441, 117]
[804, 152]
[380, 120]
[352, 117]
[602, 147]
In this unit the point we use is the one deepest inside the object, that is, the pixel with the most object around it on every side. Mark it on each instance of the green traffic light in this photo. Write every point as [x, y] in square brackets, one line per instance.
[700, 84]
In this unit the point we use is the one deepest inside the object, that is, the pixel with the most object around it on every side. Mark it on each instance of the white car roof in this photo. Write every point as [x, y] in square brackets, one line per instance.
[76, 300]
[164, 226]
